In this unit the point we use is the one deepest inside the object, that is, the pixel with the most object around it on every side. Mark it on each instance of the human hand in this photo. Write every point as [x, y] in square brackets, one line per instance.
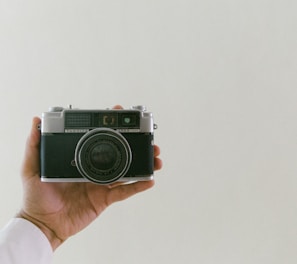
[61, 210]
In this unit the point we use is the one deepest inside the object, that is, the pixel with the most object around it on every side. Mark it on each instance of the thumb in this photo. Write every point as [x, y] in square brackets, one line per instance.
[31, 159]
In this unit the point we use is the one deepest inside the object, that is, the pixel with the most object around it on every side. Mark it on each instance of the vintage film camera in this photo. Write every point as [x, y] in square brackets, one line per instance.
[100, 146]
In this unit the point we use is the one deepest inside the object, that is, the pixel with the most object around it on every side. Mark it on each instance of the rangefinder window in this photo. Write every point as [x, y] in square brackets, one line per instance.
[77, 120]
[108, 120]
[129, 120]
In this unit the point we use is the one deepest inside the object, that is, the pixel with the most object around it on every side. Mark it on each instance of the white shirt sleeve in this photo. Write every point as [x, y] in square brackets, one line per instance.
[21, 242]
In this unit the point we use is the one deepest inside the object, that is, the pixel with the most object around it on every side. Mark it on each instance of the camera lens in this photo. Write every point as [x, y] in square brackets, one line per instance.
[103, 156]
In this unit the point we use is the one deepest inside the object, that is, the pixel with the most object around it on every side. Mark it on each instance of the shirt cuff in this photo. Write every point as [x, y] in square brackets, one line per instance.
[23, 242]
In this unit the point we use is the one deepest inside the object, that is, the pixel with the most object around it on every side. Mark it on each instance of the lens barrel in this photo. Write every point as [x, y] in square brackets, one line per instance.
[103, 156]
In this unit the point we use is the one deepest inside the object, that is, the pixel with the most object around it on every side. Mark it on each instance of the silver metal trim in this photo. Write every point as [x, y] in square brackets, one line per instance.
[123, 179]
[138, 178]
[53, 121]
[76, 130]
[45, 179]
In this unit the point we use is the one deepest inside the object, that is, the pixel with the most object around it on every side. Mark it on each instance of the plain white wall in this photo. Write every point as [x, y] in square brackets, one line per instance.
[220, 78]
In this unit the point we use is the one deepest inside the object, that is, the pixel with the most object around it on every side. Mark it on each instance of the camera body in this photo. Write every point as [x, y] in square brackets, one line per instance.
[100, 146]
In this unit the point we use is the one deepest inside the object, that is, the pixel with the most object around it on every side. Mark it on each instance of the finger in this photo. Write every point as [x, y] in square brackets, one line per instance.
[157, 150]
[31, 159]
[122, 192]
[158, 164]
[157, 161]
[117, 107]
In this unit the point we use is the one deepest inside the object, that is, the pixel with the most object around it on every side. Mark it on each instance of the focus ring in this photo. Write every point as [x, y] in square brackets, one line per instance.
[103, 156]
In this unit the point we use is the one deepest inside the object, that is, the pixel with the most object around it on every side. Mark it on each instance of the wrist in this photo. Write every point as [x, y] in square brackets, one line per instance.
[52, 237]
